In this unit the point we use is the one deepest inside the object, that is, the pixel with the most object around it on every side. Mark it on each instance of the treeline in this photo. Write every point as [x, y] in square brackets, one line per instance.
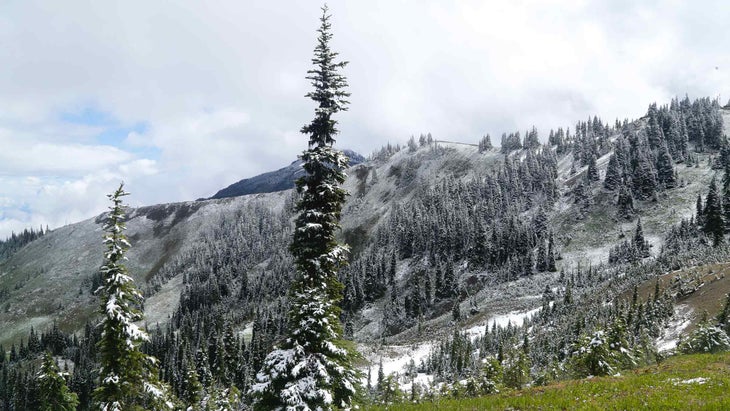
[17, 241]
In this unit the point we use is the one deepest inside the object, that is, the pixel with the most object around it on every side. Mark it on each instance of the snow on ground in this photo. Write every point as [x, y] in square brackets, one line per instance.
[396, 358]
[682, 318]
[591, 256]
[698, 380]
[515, 318]
[247, 332]
[161, 305]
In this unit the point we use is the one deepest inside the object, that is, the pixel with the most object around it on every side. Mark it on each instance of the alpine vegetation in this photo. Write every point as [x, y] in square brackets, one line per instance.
[312, 368]
[128, 379]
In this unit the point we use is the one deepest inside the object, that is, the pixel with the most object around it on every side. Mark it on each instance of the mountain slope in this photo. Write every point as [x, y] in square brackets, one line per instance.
[413, 216]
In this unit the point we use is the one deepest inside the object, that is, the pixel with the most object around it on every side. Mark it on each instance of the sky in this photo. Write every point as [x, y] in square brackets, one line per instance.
[181, 99]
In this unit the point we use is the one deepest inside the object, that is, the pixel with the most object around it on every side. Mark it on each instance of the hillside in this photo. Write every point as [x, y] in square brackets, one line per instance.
[696, 382]
[458, 253]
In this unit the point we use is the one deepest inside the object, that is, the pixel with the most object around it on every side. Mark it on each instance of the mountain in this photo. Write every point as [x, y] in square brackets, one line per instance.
[281, 179]
[457, 254]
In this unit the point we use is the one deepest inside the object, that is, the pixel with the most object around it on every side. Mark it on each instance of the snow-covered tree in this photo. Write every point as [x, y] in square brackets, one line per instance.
[312, 368]
[613, 174]
[55, 395]
[714, 225]
[128, 379]
[707, 338]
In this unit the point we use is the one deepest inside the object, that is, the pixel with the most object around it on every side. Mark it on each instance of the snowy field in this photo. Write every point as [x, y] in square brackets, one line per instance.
[397, 358]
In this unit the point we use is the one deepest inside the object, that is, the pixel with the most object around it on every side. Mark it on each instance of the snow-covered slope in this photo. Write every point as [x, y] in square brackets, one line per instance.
[50, 279]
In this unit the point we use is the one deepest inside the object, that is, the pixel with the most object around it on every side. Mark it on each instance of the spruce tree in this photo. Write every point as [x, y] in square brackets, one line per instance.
[640, 244]
[625, 203]
[714, 224]
[55, 395]
[592, 173]
[128, 379]
[312, 369]
[613, 174]
[664, 168]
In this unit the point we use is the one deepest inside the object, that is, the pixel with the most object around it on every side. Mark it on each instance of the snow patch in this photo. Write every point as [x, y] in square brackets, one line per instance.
[698, 381]
[503, 320]
[395, 359]
[680, 321]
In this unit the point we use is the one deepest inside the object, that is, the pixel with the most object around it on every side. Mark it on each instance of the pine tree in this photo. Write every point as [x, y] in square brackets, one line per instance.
[55, 395]
[312, 369]
[128, 379]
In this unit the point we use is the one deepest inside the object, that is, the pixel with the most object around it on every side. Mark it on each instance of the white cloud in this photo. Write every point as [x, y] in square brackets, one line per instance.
[219, 87]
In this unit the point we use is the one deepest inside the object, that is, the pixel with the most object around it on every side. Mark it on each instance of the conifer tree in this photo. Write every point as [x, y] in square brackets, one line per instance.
[55, 395]
[640, 244]
[312, 369]
[613, 174]
[128, 379]
[625, 203]
[485, 144]
[664, 168]
[592, 174]
[714, 224]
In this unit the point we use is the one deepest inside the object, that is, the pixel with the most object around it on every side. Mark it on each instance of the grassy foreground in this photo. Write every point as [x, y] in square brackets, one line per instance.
[686, 382]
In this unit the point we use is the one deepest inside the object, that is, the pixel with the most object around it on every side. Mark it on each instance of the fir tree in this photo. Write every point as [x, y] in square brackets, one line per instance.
[128, 379]
[664, 168]
[700, 212]
[592, 173]
[644, 178]
[640, 244]
[625, 203]
[312, 369]
[485, 144]
[55, 395]
[714, 224]
[613, 174]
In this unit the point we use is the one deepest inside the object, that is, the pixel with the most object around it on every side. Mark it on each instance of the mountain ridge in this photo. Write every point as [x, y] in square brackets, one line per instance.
[278, 180]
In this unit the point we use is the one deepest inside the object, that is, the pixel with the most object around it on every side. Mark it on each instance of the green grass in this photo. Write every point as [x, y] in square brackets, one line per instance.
[657, 387]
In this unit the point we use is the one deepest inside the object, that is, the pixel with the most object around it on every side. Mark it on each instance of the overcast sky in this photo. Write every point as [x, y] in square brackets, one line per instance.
[180, 99]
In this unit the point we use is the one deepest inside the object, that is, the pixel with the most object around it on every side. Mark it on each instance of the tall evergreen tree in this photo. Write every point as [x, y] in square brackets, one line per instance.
[592, 174]
[640, 244]
[625, 203]
[664, 168]
[128, 379]
[613, 174]
[714, 224]
[312, 369]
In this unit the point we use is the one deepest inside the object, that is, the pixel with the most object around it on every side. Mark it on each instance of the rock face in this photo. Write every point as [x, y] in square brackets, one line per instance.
[281, 179]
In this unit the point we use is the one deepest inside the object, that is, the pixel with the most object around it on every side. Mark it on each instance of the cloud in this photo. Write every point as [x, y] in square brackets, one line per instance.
[182, 100]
